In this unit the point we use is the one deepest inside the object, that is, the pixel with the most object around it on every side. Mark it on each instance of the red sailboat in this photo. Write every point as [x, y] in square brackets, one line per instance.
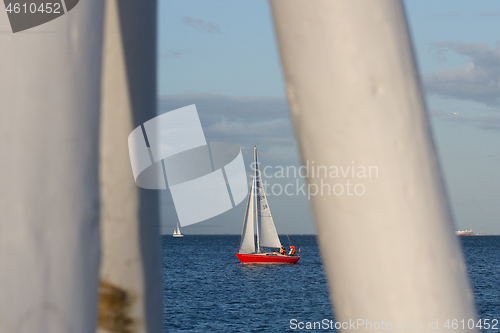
[257, 208]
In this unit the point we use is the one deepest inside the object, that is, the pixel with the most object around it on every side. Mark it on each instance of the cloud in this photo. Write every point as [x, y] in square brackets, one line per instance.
[437, 112]
[487, 123]
[246, 121]
[450, 14]
[201, 25]
[491, 123]
[490, 14]
[172, 54]
[478, 80]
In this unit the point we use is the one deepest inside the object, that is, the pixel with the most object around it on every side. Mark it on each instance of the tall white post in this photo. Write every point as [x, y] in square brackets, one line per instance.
[388, 245]
[129, 215]
[49, 190]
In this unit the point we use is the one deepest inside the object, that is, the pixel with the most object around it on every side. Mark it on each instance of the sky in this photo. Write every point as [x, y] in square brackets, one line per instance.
[222, 56]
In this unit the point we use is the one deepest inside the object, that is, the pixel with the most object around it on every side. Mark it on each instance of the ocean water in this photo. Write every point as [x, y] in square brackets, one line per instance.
[482, 257]
[206, 289]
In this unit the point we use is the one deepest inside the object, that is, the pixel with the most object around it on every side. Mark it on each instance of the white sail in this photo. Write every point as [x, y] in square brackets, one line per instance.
[268, 237]
[247, 242]
[177, 232]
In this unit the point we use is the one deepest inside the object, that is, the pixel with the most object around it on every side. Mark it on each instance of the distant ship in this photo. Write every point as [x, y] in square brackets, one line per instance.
[177, 232]
[469, 232]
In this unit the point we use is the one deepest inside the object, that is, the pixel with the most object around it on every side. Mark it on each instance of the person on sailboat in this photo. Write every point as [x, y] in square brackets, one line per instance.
[292, 250]
[282, 250]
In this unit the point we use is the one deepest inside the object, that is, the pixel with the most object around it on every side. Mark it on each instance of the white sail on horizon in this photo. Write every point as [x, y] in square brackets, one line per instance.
[177, 231]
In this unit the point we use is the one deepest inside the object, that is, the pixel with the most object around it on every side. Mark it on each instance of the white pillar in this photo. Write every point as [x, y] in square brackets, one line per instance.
[390, 254]
[129, 215]
[49, 191]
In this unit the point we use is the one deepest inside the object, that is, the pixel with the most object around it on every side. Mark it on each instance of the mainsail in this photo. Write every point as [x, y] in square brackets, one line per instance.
[247, 241]
[268, 237]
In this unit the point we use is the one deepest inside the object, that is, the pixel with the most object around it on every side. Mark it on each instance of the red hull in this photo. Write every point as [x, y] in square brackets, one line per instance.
[266, 259]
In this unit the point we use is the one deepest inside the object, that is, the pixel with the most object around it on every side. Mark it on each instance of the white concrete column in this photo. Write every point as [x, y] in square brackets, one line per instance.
[131, 293]
[389, 249]
[49, 191]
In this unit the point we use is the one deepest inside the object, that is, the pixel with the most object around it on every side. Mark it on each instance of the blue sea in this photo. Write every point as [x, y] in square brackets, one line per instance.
[206, 289]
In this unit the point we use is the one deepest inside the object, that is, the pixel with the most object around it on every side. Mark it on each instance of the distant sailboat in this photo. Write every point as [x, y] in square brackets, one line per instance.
[177, 232]
[267, 237]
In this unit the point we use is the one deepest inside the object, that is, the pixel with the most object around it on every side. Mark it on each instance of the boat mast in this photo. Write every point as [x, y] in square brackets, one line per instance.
[256, 165]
